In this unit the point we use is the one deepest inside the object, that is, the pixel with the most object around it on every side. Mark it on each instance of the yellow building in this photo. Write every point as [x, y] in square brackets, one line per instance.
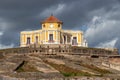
[52, 33]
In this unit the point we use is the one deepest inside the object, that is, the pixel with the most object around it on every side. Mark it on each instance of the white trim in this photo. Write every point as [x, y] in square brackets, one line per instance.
[24, 38]
[48, 35]
[56, 37]
[45, 35]
[39, 39]
[30, 39]
[77, 37]
[53, 36]
[81, 38]
[71, 39]
[51, 43]
[66, 40]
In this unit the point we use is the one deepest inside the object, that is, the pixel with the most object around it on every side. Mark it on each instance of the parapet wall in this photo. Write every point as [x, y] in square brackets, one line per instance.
[48, 49]
[95, 51]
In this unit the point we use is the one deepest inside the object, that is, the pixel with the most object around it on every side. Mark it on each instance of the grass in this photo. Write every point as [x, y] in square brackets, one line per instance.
[68, 71]
[102, 71]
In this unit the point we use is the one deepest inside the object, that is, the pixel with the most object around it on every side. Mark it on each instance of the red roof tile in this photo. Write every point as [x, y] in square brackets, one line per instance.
[52, 19]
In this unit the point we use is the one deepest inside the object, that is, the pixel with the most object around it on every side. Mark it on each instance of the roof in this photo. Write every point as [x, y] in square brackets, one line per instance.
[52, 19]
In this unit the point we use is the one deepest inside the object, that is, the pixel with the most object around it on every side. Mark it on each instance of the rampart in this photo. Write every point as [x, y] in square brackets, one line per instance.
[58, 49]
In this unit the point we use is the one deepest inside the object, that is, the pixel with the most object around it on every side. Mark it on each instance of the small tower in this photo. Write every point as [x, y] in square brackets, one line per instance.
[52, 23]
[51, 28]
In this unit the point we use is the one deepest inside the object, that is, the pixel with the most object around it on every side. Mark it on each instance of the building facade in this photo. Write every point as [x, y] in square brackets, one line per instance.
[52, 33]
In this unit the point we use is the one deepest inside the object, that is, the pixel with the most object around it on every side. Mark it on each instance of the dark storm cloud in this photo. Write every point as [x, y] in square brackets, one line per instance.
[21, 15]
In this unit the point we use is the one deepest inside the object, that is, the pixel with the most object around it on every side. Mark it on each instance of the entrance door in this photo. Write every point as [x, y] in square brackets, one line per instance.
[50, 37]
[28, 40]
[74, 41]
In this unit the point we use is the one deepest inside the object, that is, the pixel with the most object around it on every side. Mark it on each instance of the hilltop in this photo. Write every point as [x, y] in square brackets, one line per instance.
[34, 66]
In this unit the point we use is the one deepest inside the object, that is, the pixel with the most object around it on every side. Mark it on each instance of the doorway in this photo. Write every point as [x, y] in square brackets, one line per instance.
[50, 37]
[74, 41]
[28, 40]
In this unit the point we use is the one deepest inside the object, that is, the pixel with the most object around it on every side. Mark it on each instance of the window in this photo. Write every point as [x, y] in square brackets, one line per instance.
[44, 25]
[28, 40]
[58, 25]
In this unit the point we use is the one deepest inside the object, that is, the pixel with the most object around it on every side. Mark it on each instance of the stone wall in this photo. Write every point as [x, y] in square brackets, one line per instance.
[94, 51]
[48, 49]
[112, 63]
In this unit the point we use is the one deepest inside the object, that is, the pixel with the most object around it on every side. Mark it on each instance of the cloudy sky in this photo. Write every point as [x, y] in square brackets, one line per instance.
[99, 19]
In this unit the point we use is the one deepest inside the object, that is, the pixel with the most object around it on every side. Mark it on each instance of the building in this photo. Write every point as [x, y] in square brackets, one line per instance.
[52, 33]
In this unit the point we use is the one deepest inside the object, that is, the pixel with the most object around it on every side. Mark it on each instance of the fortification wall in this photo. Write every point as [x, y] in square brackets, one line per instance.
[48, 49]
